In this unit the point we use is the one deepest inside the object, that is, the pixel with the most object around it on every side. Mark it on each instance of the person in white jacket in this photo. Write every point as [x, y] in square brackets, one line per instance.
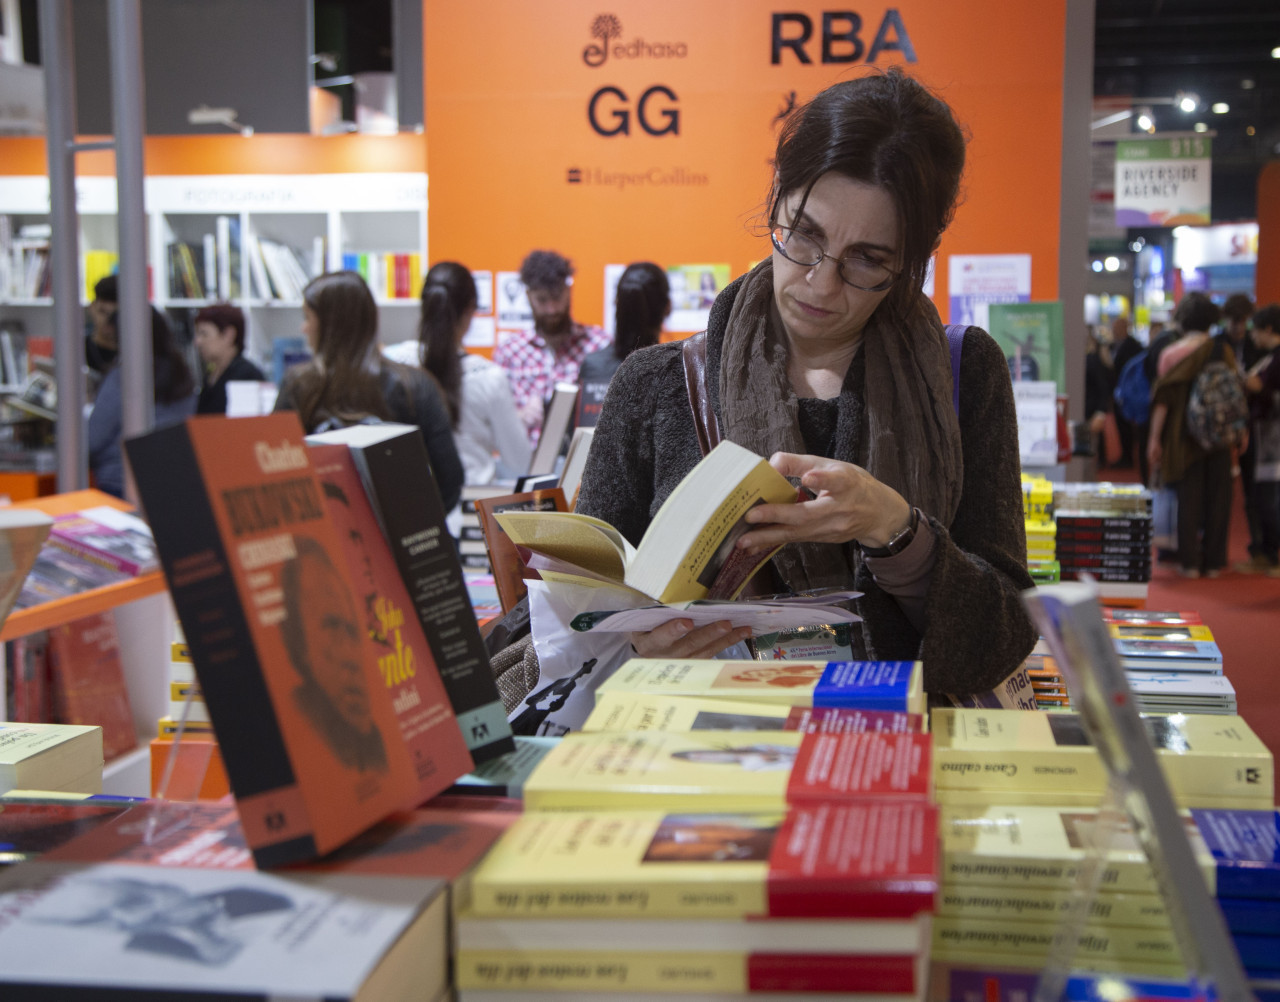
[490, 437]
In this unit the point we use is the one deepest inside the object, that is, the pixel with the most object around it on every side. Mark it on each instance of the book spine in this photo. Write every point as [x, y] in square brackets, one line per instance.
[397, 474]
[682, 971]
[955, 935]
[197, 569]
[1044, 905]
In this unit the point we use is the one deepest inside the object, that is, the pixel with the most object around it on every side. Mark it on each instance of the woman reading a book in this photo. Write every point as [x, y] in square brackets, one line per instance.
[348, 382]
[829, 358]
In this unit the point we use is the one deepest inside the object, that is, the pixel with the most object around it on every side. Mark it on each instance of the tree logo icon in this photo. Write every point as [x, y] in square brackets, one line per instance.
[604, 27]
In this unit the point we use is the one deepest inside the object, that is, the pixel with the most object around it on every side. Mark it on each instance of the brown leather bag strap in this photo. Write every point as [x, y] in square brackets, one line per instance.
[705, 424]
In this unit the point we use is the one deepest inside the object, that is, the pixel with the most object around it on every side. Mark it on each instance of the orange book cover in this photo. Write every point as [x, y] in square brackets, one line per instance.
[407, 669]
[504, 559]
[88, 681]
[258, 576]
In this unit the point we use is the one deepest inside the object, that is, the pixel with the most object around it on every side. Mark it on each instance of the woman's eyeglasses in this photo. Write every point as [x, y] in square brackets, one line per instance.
[856, 270]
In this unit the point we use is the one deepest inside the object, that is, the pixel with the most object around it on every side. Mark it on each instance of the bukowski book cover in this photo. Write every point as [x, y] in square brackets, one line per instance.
[307, 733]
[406, 666]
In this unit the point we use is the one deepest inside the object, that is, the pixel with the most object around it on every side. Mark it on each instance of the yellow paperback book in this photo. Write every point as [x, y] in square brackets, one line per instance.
[1018, 846]
[687, 552]
[895, 686]
[959, 938]
[623, 711]
[863, 860]
[1003, 756]
[1040, 904]
[727, 770]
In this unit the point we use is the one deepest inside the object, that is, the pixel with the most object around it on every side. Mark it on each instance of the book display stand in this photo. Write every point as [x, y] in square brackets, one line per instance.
[1069, 617]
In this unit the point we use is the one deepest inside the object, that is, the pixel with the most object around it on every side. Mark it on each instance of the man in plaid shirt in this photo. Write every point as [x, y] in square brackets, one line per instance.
[553, 351]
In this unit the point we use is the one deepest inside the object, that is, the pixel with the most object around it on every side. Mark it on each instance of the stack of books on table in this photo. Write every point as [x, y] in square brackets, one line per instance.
[1104, 530]
[1048, 684]
[660, 856]
[985, 757]
[1173, 667]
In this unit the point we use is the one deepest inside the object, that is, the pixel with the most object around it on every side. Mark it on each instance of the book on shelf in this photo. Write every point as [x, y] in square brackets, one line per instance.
[1170, 655]
[1209, 760]
[406, 665]
[624, 711]
[557, 422]
[117, 539]
[1160, 631]
[396, 473]
[858, 860]
[88, 681]
[306, 729]
[98, 264]
[58, 573]
[727, 770]
[84, 929]
[504, 559]
[285, 353]
[23, 533]
[63, 757]
[227, 235]
[894, 686]
[1150, 617]
[687, 552]
[29, 689]
[575, 461]
[13, 353]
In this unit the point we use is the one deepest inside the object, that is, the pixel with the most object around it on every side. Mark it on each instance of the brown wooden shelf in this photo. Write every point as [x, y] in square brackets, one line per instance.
[66, 610]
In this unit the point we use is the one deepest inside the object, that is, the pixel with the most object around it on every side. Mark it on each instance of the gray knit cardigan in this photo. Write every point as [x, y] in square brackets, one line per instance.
[977, 629]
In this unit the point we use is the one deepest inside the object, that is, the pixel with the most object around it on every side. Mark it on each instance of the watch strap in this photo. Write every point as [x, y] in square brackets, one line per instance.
[898, 542]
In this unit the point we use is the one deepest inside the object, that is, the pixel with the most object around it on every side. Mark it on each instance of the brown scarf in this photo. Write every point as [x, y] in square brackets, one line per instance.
[907, 437]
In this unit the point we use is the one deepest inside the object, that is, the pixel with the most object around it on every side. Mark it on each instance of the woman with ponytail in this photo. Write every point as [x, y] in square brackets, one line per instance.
[486, 428]
[348, 382]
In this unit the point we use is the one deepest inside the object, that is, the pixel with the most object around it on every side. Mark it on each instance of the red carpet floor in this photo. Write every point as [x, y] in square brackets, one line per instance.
[1243, 611]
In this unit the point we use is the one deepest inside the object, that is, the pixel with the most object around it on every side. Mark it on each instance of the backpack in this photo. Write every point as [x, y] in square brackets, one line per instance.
[1217, 410]
[1133, 390]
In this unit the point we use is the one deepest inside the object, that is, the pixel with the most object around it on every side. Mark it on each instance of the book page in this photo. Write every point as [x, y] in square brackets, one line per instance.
[590, 543]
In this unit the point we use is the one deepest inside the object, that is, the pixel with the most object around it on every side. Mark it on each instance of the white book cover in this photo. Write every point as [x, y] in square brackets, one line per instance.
[174, 929]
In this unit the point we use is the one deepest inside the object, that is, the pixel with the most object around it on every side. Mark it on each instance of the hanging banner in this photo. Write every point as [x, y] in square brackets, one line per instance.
[1163, 181]
[975, 281]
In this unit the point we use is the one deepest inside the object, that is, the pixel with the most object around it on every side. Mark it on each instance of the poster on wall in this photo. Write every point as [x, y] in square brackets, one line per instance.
[1036, 404]
[974, 281]
[514, 313]
[694, 288]
[1030, 335]
[1163, 181]
[484, 292]
[483, 333]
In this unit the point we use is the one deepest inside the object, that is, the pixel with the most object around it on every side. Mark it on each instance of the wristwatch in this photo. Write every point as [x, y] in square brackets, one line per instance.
[898, 542]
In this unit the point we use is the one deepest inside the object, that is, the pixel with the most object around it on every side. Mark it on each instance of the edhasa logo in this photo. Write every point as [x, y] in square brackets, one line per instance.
[607, 27]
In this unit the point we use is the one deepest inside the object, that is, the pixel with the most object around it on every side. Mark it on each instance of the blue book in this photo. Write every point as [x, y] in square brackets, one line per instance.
[287, 351]
[1259, 954]
[1246, 848]
[895, 686]
[1258, 916]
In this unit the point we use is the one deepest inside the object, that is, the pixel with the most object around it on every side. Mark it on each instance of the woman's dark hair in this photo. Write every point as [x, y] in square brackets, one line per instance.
[169, 370]
[342, 381]
[222, 316]
[448, 293]
[886, 130]
[1196, 312]
[1268, 318]
[1238, 307]
[640, 305]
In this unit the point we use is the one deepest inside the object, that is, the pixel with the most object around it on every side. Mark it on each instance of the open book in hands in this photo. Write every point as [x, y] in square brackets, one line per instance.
[687, 554]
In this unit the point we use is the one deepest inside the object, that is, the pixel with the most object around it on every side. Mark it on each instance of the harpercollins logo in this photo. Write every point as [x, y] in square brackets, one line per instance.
[654, 177]
[606, 27]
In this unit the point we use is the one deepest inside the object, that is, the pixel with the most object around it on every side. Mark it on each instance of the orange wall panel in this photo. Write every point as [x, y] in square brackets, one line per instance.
[509, 86]
[1267, 274]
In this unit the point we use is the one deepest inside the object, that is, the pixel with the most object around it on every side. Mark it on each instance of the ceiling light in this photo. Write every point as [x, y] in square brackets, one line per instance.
[1275, 53]
[1112, 264]
[1188, 103]
[1146, 123]
[1097, 266]
[1249, 130]
[1221, 108]
[1247, 84]
[1201, 127]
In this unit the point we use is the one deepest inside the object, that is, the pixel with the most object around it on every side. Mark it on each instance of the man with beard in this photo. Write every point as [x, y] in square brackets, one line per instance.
[553, 351]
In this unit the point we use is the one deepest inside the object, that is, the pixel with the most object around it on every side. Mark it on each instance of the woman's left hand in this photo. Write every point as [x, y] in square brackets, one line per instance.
[850, 504]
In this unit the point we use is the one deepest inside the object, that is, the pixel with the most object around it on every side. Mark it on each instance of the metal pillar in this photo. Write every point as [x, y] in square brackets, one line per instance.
[124, 34]
[57, 54]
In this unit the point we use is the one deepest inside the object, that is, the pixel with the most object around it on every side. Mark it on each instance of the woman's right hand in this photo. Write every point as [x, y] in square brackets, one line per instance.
[678, 639]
